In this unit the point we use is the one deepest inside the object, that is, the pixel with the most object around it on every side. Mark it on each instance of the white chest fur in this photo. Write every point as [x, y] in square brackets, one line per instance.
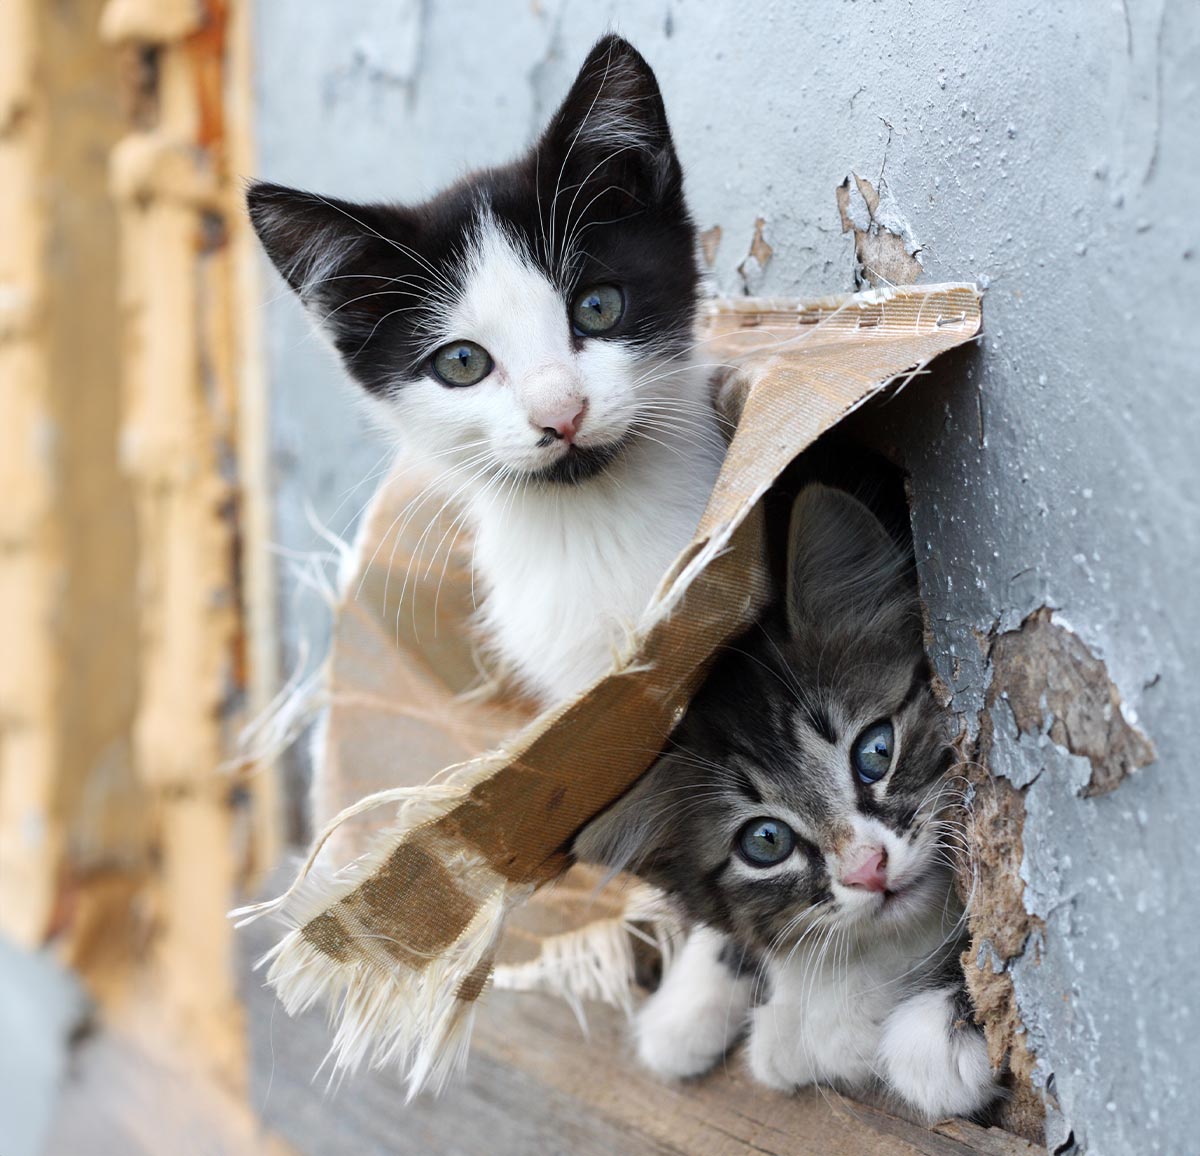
[826, 1015]
[569, 570]
[872, 1017]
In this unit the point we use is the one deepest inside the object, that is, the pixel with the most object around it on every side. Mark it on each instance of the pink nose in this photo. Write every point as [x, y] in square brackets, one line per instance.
[562, 422]
[870, 873]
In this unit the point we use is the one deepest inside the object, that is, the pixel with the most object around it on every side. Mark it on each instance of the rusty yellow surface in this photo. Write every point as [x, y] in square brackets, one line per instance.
[126, 356]
[69, 799]
[42, 680]
[31, 547]
[169, 183]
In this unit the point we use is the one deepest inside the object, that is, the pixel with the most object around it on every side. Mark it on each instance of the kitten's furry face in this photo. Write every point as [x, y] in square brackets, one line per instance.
[530, 322]
[806, 785]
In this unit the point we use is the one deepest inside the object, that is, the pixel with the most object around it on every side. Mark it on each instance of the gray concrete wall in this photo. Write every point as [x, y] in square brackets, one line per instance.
[1050, 151]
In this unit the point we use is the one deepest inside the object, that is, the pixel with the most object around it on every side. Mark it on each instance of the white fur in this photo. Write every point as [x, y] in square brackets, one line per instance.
[567, 569]
[937, 1066]
[686, 1026]
[830, 996]
[843, 1011]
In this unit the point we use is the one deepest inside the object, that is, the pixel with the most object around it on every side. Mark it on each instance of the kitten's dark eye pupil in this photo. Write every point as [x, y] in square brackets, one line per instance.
[871, 754]
[765, 842]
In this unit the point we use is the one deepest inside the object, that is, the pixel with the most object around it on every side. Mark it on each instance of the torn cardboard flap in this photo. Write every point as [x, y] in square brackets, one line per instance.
[403, 939]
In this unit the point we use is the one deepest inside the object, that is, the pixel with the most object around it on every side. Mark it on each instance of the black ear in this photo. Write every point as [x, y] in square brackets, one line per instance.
[844, 568]
[629, 835]
[611, 132]
[351, 265]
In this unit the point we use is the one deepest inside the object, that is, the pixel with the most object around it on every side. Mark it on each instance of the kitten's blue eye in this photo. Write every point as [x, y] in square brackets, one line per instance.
[597, 309]
[765, 842]
[461, 363]
[872, 752]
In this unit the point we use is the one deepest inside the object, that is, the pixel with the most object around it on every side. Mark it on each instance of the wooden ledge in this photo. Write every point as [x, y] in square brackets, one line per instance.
[534, 1086]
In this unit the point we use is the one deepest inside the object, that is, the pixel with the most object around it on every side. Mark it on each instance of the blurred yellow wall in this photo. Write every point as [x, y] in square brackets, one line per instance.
[125, 362]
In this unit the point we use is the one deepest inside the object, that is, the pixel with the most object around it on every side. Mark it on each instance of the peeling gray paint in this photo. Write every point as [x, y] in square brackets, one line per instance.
[886, 251]
[1060, 692]
[752, 271]
[1049, 151]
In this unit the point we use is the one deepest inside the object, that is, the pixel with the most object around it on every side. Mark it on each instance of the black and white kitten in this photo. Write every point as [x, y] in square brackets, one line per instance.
[803, 819]
[527, 334]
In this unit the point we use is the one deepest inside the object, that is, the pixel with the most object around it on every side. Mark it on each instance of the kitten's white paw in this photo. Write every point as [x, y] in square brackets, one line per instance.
[772, 1054]
[822, 1043]
[937, 1066]
[690, 1022]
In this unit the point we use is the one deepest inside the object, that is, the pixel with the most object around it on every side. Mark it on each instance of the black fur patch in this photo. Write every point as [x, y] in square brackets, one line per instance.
[580, 463]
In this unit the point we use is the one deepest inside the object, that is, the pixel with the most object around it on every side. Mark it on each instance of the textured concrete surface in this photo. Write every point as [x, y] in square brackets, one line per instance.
[1048, 151]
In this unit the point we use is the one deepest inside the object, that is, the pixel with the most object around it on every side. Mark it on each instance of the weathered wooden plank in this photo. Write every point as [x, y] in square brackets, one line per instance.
[990, 1141]
[536, 1087]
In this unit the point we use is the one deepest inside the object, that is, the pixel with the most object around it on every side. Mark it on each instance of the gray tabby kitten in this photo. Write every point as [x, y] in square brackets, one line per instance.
[802, 819]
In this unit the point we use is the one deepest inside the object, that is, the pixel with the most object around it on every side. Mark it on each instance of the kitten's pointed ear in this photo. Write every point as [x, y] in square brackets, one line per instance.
[627, 836]
[611, 131]
[344, 261]
[843, 565]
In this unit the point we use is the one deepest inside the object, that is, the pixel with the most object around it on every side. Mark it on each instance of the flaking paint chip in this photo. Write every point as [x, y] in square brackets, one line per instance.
[885, 250]
[710, 242]
[755, 263]
[1054, 685]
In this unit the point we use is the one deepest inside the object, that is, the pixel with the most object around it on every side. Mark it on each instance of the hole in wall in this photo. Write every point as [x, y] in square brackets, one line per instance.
[925, 436]
[872, 455]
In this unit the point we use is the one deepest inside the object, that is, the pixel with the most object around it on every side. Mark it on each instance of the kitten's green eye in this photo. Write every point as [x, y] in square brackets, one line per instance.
[872, 753]
[461, 363]
[765, 842]
[597, 309]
